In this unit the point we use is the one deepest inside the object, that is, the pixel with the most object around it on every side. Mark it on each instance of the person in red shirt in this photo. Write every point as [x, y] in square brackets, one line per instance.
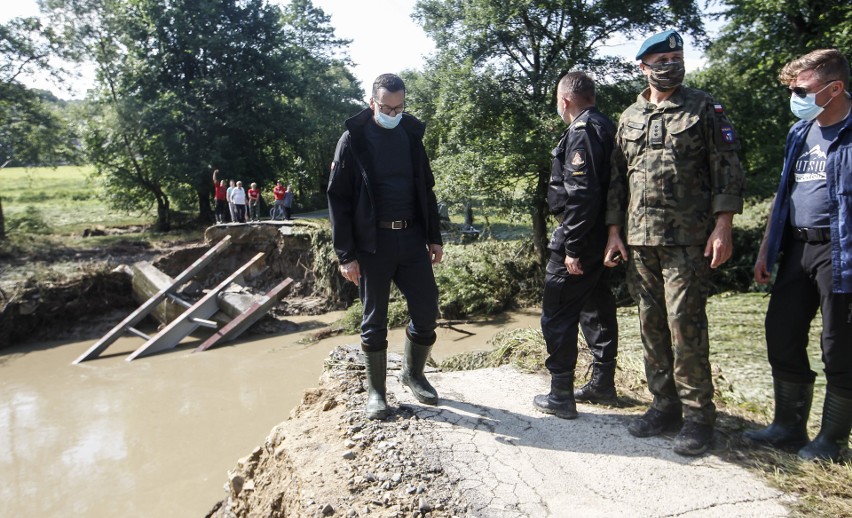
[254, 202]
[221, 198]
[279, 191]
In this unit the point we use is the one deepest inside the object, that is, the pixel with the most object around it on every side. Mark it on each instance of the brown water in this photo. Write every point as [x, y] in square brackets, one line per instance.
[156, 436]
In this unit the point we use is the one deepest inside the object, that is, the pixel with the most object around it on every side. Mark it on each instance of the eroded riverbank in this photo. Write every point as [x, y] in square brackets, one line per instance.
[155, 437]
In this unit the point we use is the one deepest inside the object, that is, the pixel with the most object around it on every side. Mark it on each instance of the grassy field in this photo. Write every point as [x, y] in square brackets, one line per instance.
[61, 201]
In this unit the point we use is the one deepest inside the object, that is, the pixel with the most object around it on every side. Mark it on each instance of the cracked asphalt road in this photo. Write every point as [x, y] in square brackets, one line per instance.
[509, 460]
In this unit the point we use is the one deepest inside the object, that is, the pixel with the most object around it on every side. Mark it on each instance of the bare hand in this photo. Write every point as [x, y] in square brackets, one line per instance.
[436, 253]
[351, 271]
[615, 252]
[572, 264]
[761, 274]
[720, 245]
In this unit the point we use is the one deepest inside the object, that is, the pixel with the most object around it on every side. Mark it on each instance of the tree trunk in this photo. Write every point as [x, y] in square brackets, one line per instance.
[205, 214]
[2, 222]
[539, 217]
[164, 223]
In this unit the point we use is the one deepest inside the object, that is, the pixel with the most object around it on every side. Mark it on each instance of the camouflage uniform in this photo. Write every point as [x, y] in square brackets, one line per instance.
[674, 167]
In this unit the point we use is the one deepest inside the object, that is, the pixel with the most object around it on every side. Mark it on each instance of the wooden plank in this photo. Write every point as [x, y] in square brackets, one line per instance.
[238, 325]
[172, 334]
[149, 305]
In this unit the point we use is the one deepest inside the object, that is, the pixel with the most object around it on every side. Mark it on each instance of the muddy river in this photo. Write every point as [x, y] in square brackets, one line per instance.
[156, 436]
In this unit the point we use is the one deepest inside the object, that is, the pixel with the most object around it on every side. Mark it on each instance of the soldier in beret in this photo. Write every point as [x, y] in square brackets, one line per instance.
[676, 185]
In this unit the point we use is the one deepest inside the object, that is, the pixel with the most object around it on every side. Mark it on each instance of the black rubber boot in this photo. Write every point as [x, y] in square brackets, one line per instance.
[560, 402]
[377, 368]
[653, 422]
[694, 439]
[789, 428]
[601, 387]
[834, 434]
[412, 375]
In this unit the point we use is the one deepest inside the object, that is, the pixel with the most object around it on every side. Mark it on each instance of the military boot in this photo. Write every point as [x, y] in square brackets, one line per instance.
[694, 438]
[789, 428]
[377, 368]
[834, 433]
[654, 422]
[560, 401]
[412, 375]
[600, 388]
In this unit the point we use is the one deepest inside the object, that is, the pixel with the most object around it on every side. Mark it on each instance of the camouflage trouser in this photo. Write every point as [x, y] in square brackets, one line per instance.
[670, 285]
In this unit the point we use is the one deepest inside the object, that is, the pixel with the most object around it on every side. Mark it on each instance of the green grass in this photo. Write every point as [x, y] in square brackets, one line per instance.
[62, 200]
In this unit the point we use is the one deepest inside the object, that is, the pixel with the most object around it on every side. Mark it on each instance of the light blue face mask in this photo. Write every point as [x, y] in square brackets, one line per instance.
[386, 121]
[806, 107]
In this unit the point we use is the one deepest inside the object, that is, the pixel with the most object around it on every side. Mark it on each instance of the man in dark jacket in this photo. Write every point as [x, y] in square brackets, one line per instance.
[576, 293]
[384, 226]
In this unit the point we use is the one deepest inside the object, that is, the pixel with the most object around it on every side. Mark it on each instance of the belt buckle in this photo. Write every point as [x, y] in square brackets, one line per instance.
[395, 227]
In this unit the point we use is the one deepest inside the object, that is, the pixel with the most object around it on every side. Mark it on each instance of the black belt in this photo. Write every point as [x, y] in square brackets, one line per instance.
[811, 235]
[396, 225]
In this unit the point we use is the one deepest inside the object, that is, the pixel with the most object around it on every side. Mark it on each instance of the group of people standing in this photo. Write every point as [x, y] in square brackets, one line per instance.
[235, 204]
[658, 193]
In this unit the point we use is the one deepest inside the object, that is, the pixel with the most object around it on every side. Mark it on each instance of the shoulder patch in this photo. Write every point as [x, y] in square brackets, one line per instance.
[727, 132]
[718, 108]
[578, 159]
[579, 124]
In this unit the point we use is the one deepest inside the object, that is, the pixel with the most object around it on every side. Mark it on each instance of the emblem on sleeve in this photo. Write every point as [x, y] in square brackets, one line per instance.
[579, 158]
[718, 108]
[727, 133]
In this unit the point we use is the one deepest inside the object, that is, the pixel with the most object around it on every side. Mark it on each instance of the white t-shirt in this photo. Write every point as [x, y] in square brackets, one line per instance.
[238, 196]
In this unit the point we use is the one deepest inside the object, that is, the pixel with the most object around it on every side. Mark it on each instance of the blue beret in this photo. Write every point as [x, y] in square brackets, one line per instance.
[666, 41]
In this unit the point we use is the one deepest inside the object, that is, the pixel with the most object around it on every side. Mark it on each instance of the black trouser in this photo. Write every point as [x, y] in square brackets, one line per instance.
[402, 258]
[223, 214]
[288, 211]
[578, 301]
[802, 286]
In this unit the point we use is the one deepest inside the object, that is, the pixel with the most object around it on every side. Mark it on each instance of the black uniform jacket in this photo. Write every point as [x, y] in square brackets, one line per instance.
[350, 198]
[579, 182]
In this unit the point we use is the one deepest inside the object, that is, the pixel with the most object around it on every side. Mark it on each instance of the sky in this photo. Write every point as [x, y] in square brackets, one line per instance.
[370, 24]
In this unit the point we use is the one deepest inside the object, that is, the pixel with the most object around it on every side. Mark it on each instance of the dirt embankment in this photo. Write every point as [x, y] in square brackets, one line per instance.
[329, 460]
[82, 294]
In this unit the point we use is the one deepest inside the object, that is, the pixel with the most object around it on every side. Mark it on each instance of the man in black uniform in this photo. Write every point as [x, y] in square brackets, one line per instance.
[575, 291]
[384, 226]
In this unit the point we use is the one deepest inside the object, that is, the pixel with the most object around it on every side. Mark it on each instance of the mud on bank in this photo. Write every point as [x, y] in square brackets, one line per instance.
[93, 291]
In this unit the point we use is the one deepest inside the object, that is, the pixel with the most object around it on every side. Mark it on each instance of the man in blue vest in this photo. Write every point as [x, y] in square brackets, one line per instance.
[811, 223]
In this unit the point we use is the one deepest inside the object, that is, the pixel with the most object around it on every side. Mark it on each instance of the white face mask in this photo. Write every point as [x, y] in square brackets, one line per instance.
[386, 121]
[806, 108]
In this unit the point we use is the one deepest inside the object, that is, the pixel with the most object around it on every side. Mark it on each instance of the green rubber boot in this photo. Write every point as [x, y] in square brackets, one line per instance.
[377, 368]
[834, 434]
[789, 428]
[412, 375]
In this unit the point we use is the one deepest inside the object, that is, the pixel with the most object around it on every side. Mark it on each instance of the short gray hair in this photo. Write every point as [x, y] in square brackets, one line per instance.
[577, 85]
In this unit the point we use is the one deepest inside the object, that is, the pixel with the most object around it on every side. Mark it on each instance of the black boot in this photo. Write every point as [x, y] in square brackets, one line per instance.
[601, 387]
[412, 375]
[377, 368]
[789, 428]
[694, 439]
[834, 433]
[654, 422]
[560, 401]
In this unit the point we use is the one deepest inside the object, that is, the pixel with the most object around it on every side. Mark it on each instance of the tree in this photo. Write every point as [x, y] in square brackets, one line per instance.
[194, 85]
[511, 54]
[756, 41]
[31, 131]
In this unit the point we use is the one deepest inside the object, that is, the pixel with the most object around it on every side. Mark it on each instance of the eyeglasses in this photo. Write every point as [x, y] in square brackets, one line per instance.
[802, 92]
[389, 110]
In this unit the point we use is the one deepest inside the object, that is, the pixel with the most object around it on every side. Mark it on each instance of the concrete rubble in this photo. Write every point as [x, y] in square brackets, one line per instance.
[483, 451]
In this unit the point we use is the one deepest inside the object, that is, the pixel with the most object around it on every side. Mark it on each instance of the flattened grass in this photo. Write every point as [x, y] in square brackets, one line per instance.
[62, 200]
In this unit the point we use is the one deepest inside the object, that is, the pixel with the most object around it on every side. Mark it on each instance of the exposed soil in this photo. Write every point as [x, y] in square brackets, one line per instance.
[329, 460]
[59, 293]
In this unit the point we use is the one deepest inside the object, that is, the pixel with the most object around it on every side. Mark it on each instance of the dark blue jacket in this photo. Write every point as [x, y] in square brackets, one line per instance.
[350, 197]
[838, 176]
